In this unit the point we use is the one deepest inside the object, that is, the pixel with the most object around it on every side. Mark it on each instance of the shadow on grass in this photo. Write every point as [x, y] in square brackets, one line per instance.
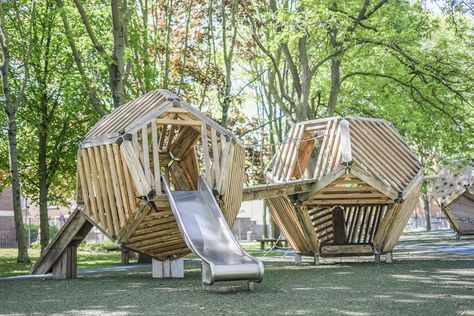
[409, 286]
[421, 281]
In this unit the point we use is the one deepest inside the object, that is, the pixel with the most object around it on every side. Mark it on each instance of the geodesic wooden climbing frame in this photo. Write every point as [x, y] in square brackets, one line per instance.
[454, 192]
[120, 164]
[367, 183]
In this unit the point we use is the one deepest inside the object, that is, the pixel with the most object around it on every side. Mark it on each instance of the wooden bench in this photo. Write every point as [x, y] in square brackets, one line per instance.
[282, 242]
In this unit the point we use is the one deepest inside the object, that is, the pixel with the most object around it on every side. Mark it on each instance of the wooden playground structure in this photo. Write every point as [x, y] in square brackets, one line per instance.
[453, 190]
[366, 185]
[120, 164]
[354, 200]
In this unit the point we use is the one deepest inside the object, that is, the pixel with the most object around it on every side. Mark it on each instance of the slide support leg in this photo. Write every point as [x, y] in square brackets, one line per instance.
[168, 268]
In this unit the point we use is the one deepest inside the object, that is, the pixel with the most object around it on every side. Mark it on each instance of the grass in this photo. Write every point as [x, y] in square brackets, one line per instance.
[86, 259]
[422, 280]
[95, 258]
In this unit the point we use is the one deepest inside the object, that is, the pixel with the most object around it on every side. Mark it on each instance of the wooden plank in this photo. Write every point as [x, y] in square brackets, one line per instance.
[146, 154]
[325, 168]
[76, 227]
[339, 225]
[318, 171]
[130, 188]
[142, 186]
[103, 187]
[347, 250]
[178, 122]
[82, 178]
[374, 182]
[164, 131]
[345, 142]
[170, 138]
[121, 203]
[116, 188]
[266, 191]
[205, 151]
[215, 155]
[322, 183]
[296, 147]
[110, 190]
[97, 188]
[135, 218]
[156, 158]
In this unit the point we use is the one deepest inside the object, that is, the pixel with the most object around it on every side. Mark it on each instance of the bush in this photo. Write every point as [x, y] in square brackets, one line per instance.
[34, 232]
[92, 246]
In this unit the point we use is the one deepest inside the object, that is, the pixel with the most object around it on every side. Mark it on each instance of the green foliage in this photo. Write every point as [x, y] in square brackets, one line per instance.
[402, 62]
[33, 231]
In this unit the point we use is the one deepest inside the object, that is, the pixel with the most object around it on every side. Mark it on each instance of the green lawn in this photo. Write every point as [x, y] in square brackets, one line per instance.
[91, 259]
[421, 281]
[86, 259]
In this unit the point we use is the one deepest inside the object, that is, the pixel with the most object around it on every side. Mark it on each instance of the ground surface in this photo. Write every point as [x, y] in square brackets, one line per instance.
[433, 274]
[86, 259]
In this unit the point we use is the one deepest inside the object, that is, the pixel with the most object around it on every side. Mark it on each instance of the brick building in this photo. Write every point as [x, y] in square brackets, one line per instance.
[7, 222]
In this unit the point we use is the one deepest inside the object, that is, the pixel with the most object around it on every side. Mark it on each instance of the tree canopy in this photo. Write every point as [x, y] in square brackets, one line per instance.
[255, 66]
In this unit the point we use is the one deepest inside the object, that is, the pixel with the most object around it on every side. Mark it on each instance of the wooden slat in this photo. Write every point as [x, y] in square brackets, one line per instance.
[178, 122]
[123, 202]
[115, 182]
[110, 189]
[146, 154]
[156, 157]
[103, 187]
[205, 151]
[142, 186]
[97, 188]
[82, 178]
[215, 155]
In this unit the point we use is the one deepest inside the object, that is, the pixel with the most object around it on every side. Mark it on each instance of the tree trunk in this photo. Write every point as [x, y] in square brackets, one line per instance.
[228, 56]
[43, 188]
[117, 68]
[10, 110]
[335, 76]
[166, 74]
[16, 186]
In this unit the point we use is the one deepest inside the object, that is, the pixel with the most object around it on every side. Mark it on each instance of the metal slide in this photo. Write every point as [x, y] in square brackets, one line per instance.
[208, 235]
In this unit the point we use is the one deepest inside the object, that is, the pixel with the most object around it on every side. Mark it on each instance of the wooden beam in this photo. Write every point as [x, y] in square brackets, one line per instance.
[346, 250]
[74, 230]
[266, 191]
[178, 122]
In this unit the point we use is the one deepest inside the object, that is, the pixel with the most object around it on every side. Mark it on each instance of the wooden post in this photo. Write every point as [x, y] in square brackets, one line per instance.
[316, 258]
[66, 266]
[143, 258]
[377, 255]
[339, 226]
[298, 259]
[168, 268]
[125, 257]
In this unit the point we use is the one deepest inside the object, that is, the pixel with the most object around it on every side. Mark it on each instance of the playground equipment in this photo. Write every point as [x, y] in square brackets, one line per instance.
[120, 164]
[337, 186]
[366, 183]
[453, 190]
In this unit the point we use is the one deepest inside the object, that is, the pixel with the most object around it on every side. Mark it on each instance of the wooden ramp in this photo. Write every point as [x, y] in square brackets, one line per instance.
[60, 256]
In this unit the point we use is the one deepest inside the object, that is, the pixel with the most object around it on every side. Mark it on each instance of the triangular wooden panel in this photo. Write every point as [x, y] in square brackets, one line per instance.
[158, 234]
[348, 190]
